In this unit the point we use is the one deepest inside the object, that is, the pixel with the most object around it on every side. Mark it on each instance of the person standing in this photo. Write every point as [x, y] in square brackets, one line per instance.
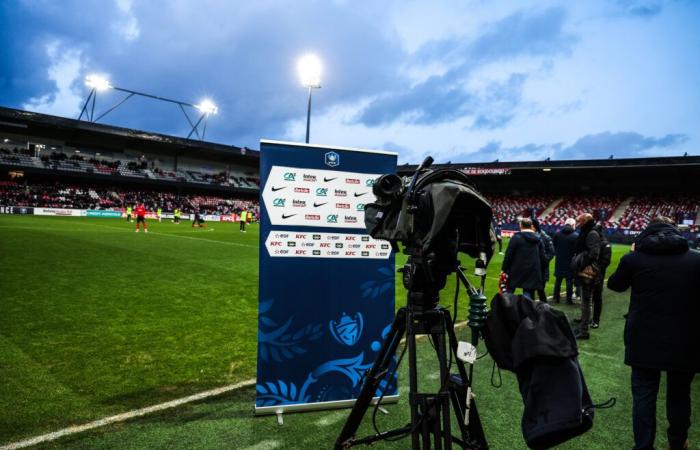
[548, 254]
[592, 257]
[499, 237]
[176, 216]
[128, 213]
[524, 263]
[243, 218]
[159, 213]
[141, 217]
[661, 332]
[564, 248]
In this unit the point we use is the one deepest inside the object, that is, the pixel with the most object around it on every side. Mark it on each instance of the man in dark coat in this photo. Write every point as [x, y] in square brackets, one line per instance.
[589, 244]
[661, 332]
[548, 254]
[564, 249]
[525, 261]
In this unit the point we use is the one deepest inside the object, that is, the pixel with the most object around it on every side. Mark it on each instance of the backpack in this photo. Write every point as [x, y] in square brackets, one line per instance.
[605, 256]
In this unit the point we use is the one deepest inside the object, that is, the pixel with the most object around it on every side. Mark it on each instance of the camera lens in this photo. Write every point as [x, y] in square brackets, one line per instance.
[388, 186]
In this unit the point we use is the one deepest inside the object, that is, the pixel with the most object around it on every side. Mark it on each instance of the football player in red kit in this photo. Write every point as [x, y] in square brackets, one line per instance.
[141, 217]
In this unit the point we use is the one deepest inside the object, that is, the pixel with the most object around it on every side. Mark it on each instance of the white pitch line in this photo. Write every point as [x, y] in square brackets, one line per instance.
[178, 236]
[125, 416]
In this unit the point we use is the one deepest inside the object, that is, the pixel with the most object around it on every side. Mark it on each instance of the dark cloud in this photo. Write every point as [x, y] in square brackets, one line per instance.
[641, 8]
[444, 98]
[622, 144]
[590, 146]
[191, 50]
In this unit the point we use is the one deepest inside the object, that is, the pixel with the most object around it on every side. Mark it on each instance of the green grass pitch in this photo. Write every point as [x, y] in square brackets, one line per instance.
[97, 320]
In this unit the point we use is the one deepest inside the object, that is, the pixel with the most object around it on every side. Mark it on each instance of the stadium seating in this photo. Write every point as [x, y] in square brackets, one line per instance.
[59, 195]
[601, 207]
[136, 169]
[507, 209]
[643, 209]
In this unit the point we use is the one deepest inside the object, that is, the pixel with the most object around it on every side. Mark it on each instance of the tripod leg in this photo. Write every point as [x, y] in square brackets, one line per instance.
[474, 432]
[372, 379]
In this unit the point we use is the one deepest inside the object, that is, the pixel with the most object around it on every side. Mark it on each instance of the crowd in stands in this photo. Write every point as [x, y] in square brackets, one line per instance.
[507, 209]
[61, 195]
[643, 209]
[601, 207]
[636, 216]
[58, 160]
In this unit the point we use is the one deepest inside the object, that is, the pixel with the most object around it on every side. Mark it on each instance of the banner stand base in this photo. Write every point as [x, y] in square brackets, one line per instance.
[280, 410]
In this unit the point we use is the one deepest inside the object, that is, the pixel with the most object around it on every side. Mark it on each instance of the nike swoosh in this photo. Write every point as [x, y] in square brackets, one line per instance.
[329, 179]
[316, 205]
[359, 195]
[274, 189]
[285, 216]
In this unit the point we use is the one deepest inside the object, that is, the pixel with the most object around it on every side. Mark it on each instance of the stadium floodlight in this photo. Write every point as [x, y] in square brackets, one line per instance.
[309, 68]
[206, 106]
[97, 82]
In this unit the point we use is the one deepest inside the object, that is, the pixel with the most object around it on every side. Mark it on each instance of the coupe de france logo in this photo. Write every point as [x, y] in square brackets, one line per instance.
[332, 159]
[347, 330]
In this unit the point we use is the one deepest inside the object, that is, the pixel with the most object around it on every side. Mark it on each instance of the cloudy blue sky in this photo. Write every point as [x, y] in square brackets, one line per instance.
[461, 80]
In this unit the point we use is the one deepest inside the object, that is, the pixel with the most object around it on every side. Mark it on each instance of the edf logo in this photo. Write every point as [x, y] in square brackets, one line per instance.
[332, 159]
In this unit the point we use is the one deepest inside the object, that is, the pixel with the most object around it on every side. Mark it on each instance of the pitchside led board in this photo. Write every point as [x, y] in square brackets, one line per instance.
[326, 287]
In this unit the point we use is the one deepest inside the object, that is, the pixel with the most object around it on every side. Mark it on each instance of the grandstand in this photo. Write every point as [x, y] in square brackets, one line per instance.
[48, 161]
[609, 189]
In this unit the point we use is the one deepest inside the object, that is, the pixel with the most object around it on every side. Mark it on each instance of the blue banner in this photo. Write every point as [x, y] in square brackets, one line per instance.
[326, 297]
[103, 213]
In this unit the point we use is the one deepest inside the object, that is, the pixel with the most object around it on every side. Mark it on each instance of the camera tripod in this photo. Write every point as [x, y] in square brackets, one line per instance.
[431, 422]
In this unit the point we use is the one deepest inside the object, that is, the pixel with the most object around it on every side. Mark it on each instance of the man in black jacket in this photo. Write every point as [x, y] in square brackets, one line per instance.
[661, 332]
[548, 254]
[525, 261]
[564, 249]
[589, 244]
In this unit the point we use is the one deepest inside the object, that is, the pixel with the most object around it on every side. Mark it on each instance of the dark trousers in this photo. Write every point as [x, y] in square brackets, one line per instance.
[242, 227]
[569, 288]
[645, 388]
[530, 293]
[500, 244]
[542, 295]
[591, 296]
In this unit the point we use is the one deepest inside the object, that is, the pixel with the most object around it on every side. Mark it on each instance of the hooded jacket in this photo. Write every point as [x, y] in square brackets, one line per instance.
[588, 247]
[661, 329]
[564, 249]
[525, 261]
[536, 342]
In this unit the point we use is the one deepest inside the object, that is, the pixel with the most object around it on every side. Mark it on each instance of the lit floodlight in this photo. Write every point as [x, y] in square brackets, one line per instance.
[206, 106]
[309, 68]
[97, 82]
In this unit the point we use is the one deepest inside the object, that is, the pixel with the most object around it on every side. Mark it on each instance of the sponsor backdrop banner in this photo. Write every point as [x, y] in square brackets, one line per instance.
[326, 287]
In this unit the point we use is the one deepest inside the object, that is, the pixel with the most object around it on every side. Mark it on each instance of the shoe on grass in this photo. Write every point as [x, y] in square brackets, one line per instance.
[686, 446]
[580, 335]
[594, 325]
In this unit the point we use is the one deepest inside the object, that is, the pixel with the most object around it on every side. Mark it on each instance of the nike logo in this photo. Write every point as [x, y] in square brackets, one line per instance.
[360, 195]
[274, 189]
[316, 205]
[287, 216]
[329, 179]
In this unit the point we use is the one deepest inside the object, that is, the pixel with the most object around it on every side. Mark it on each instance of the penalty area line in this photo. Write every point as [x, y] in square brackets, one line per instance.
[126, 416]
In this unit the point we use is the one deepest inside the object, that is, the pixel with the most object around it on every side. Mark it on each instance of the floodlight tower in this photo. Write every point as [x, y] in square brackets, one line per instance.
[96, 83]
[309, 68]
[99, 83]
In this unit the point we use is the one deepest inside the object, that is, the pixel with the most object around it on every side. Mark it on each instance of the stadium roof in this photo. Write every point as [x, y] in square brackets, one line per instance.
[610, 163]
[81, 133]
